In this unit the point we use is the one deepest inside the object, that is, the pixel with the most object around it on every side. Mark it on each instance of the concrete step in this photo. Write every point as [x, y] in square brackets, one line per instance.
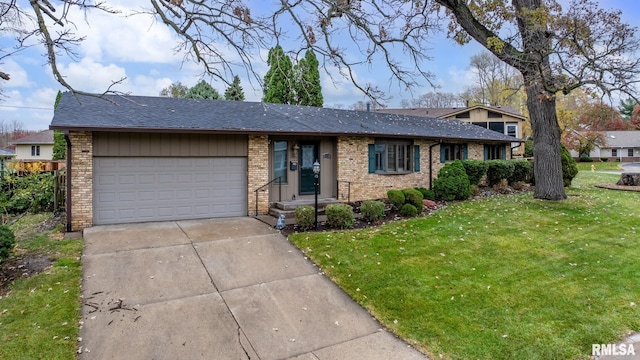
[292, 205]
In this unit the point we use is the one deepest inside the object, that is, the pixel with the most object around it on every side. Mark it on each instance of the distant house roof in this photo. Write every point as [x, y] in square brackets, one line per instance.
[450, 111]
[43, 137]
[162, 114]
[6, 153]
[622, 139]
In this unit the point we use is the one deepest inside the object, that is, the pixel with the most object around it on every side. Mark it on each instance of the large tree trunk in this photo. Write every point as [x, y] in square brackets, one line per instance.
[546, 142]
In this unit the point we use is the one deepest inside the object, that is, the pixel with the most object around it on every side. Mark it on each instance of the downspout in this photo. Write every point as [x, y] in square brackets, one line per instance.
[68, 191]
[431, 163]
[514, 147]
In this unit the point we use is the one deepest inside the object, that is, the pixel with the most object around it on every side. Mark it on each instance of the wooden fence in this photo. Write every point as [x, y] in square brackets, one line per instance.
[59, 190]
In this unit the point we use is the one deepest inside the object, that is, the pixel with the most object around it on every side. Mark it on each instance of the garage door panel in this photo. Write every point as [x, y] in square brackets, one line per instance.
[157, 189]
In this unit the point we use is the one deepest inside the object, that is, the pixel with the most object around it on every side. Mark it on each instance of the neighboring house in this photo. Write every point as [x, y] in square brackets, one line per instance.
[623, 146]
[503, 119]
[6, 156]
[135, 159]
[34, 147]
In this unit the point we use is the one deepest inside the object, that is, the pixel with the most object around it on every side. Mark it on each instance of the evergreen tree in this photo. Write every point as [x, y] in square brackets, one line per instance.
[626, 108]
[203, 90]
[175, 90]
[234, 92]
[307, 82]
[278, 87]
[59, 143]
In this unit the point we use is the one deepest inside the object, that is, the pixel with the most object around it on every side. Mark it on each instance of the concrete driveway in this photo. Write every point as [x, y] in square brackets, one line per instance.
[217, 289]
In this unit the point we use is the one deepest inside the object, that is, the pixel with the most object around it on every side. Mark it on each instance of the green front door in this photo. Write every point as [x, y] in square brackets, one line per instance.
[308, 155]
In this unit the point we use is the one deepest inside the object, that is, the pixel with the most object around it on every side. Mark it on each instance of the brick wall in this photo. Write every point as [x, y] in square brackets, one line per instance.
[258, 173]
[353, 166]
[81, 180]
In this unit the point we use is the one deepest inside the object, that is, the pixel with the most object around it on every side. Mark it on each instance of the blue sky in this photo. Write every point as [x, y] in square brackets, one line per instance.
[141, 50]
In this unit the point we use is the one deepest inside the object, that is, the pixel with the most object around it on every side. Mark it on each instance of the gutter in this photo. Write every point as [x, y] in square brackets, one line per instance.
[431, 163]
[68, 192]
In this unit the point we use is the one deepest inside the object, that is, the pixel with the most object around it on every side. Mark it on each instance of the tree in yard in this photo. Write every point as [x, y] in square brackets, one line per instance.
[555, 51]
[234, 91]
[626, 108]
[584, 142]
[435, 100]
[278, 82]
[175, 90]
[497, 83]
[202, 90]
[307, 81]
[59, 143]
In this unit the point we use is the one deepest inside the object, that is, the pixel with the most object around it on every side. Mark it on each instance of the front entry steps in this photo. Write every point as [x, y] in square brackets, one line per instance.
[288, 208]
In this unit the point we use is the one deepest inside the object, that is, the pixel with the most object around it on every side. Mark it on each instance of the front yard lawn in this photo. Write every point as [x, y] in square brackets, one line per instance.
[40, 309]
[504, 277]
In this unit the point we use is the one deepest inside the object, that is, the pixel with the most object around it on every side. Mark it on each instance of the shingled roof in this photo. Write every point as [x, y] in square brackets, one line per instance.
[43, 137]
[620, 139]
[141, 113]
[449, 111]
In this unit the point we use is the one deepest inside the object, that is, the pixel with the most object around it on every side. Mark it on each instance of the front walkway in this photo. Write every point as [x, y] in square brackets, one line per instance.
[217, 289]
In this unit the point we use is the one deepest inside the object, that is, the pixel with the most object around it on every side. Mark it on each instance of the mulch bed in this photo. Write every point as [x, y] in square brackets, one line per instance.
[24, 265]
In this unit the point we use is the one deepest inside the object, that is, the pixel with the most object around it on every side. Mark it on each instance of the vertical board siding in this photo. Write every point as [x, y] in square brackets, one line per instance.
[168, 145]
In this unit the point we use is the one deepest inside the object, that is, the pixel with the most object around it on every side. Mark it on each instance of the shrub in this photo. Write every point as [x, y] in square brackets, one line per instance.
[521, 171]
[7, 242]
[475, 170]
[339, 216]
[569, 167]
[32, 192]
[585, 159]
[305, 217]
[414, 197]
[498, 170]
[452, 182]
[372, 210]
[604, 159]
[528, 147]
[408, 210]
[426, 193]
[396, 198]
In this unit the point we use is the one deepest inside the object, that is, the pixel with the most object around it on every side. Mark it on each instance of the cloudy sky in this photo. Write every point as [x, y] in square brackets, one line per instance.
[142, 51]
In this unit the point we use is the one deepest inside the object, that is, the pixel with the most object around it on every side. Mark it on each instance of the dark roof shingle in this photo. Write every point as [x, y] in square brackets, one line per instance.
[141, 113]
[43, 137]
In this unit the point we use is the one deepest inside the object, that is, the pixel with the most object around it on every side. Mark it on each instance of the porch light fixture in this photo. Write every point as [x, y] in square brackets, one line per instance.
[316, 183]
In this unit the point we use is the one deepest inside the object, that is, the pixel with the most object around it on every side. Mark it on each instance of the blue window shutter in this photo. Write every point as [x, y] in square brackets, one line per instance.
[372, 158]
[504, 152]
[443, 150]
[486, 152]
[466, 151]
[416, 158]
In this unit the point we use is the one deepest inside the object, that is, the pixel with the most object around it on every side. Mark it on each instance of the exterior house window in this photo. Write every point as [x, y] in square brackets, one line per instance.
[35, 150]
[451, 152]
[630, 152]
[614, 152]
[512, 130]
[495, 152]
[393, 157]
[494, 115]
[497, 126]
[464, 115]
[482, 124]
[280, 160]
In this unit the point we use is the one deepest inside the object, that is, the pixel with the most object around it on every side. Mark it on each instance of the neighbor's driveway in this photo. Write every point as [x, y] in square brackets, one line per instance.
[217, 289]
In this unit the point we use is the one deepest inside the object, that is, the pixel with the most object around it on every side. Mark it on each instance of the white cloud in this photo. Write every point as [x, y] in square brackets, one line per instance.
[91, 76]
[19, 76]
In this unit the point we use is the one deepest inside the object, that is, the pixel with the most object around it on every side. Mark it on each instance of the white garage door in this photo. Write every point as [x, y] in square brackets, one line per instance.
[142, 189]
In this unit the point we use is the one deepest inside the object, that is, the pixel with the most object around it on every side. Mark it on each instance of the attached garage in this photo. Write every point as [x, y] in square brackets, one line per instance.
[140, 177]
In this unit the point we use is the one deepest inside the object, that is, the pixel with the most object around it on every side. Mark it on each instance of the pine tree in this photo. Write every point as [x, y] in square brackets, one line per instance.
[234, 92]
[203, 90]
[307, 81]
[278, 87]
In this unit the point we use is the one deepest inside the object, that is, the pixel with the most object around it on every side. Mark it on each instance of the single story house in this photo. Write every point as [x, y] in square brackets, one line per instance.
[623, 145]
[503, 119]
[34, 147]
[137, 159]
[6, 155]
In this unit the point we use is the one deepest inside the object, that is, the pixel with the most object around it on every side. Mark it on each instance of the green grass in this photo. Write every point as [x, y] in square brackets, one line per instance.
[507, 277]
[599, 165]
[39, 317]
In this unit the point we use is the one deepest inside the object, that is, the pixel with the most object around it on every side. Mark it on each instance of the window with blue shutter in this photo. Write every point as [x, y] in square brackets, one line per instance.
[416, 158]
[451, 152]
